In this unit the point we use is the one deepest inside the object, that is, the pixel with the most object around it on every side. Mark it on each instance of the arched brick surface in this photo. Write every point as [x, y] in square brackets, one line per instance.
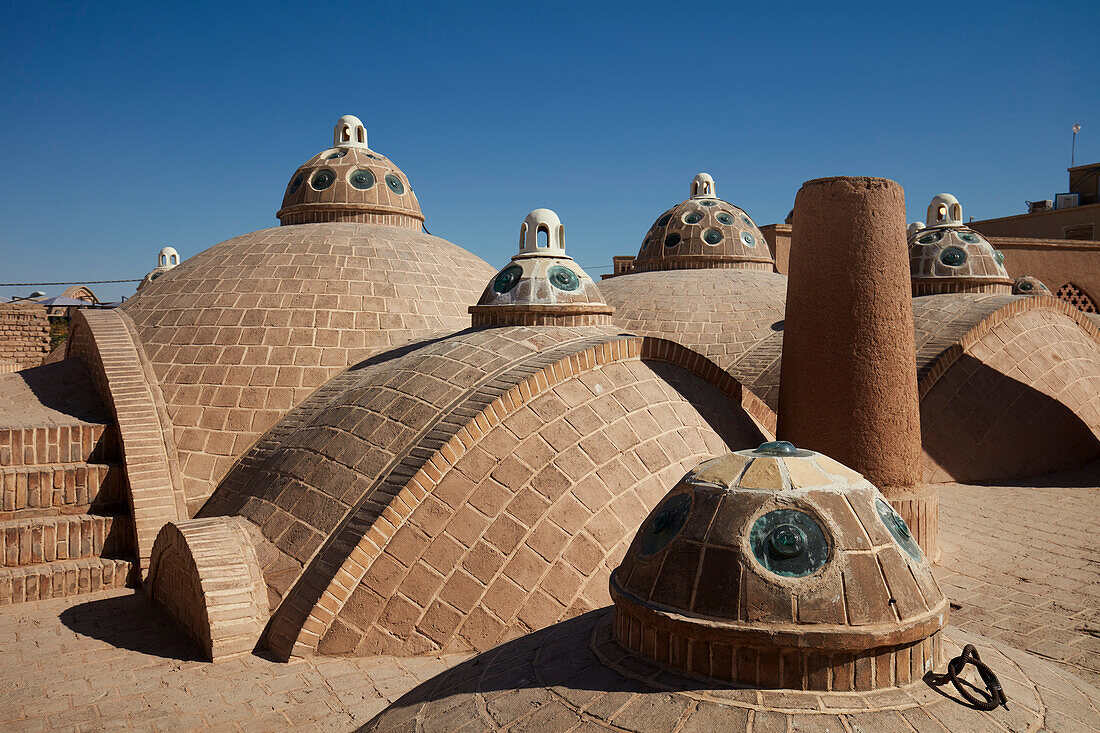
[722, 314]
[344, 477]
[500, 549]
[205, 575]
[105, 341]
[1018, 395]
[242, 332]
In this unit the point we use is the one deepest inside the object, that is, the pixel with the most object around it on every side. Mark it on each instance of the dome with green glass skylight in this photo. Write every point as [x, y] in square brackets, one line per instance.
[704, 232]
[349, 182]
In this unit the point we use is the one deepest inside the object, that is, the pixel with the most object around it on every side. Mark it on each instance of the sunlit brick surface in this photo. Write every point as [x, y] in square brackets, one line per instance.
[391, 485]
[1013, 569]
[242, 332]
[1023, 399]
[721, 314]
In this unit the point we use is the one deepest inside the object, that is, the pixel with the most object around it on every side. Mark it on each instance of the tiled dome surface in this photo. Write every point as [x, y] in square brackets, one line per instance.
[245, 330]
[720, 313]
[524, 525]
[955, 259]
[702, 233]
[351, 184]
[754, 551]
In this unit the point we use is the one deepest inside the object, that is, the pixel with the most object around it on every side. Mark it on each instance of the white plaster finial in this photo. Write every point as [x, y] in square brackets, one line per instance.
[542, 233]
[945, 211]
[349, 133]
[168, 258]
[915, 227]
[703, 187]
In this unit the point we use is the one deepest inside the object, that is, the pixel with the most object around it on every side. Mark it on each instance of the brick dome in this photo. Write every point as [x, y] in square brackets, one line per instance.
[734, 317]
[350, 182]
[778, 553]
[704, 231]
[1028, 285]
[946, 256]
[240, 333]
[541, 285]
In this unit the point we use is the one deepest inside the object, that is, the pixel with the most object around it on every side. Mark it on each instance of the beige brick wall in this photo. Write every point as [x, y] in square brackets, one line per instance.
[24, 336]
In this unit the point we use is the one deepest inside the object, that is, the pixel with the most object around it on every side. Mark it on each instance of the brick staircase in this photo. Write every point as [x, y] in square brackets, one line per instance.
[64, 517]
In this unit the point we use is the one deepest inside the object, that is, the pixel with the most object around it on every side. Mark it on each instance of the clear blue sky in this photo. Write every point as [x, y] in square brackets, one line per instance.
[128, 126]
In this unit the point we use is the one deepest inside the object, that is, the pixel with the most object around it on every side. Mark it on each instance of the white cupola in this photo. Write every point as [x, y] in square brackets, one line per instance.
[349, 133]
[542, 234]
[703, 187]
[944, 211]
[168, 258]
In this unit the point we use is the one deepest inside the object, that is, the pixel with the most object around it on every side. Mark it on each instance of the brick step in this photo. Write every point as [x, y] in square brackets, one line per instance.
[40, 540]
[63, 578]
[77, 443]
[63, 488]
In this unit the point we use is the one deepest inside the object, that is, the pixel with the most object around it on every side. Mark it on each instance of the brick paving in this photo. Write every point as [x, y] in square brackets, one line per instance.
[1020, 562]
[110, 661]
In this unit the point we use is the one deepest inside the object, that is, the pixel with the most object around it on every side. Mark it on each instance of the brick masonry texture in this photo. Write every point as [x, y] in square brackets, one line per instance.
[1022, 398]
[574, 676]
[340, 488]
[1013, 569]
[247, 329]
[341, 201]
[105, 342]
[65, 527]
[24, 336]
[703, 233]
[722, 314]
[205, 575]
[946, 326]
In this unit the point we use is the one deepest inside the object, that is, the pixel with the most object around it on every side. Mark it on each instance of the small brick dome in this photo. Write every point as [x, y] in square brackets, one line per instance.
[779, 556]
[1028, 285]
[350, 182]
[542, 284]
[704, 231]
[946, 256]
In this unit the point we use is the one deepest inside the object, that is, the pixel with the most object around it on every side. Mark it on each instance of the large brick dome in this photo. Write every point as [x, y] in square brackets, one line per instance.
[242, 332]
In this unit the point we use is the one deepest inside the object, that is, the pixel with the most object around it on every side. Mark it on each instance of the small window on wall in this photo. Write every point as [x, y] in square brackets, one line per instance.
[1080, 232]
[1076, 297]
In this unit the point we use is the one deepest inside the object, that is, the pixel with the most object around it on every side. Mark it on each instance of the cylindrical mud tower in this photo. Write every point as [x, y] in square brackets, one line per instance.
[849, 381]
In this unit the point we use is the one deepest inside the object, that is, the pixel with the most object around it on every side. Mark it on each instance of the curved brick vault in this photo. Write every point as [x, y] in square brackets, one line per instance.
[460, 491]
[1017, 394]
[1020, 375]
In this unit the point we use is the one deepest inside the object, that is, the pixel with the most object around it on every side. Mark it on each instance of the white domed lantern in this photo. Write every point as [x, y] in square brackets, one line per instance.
[349, 133]
[947, 256]
[541, 285]
[944, 211]
[542, 234]
[703, 187]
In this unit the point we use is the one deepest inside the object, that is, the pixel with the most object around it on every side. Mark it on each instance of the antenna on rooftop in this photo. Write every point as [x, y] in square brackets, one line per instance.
[1073, 147]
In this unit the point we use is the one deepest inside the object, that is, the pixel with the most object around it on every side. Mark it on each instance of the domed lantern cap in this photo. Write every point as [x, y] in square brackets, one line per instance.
[704, 232]
[349, 182]
[542, 284]
[775, 550]
[945, 255]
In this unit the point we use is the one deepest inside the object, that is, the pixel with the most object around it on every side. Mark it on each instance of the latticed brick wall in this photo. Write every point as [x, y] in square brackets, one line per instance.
[1076, 297]
[24, 337]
